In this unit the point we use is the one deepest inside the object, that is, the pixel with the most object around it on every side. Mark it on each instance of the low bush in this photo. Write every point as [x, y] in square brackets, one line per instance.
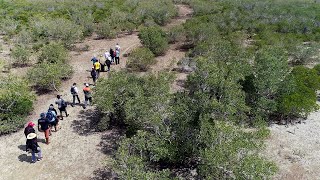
[155, 39]
[16, 102]
[21, 55]
[53, 53]
[48, 76]
[105, 30]
[57, 29]
[298, 97]
[176, 34]
[140, 59]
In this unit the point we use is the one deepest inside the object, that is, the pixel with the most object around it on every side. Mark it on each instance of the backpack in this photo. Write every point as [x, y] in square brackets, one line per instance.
[49, 116]
[72, 90]
[63, 103]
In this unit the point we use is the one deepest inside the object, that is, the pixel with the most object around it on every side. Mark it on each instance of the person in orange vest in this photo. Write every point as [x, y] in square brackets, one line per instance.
[87, 95]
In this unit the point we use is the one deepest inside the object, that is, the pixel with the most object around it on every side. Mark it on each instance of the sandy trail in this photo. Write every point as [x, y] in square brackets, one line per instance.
[75, 151]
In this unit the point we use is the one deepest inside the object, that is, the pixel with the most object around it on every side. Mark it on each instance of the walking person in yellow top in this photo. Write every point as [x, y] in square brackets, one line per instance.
[97, 67]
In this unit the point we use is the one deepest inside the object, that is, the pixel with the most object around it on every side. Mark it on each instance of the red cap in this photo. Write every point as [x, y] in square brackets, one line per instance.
[31, 124]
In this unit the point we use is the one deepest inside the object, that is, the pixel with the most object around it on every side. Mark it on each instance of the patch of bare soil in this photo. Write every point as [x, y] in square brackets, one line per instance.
[296, 149]
[76, 151]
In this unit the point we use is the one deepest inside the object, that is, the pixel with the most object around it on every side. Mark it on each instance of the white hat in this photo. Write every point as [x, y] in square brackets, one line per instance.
[31, 136]
[87, 85]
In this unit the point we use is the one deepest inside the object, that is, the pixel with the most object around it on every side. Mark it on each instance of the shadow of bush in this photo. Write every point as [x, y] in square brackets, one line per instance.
[87, 122]
[104, 173]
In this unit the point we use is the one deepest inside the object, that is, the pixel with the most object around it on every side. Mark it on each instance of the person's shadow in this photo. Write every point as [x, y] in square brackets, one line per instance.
[25, 158]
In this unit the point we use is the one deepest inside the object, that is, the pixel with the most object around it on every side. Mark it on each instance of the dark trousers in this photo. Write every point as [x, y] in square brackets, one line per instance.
[98, 73]
[117, 60]
[74, 98]
[108, 65]
[63, 109]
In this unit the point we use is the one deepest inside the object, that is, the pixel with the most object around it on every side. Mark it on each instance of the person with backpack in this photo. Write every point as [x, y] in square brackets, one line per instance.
[29, 129]
[87, 95]
[43, 126]
[94, 75]
[52, 118]
[94, 59]
[62, 106]
[32, 144]
[74, 92]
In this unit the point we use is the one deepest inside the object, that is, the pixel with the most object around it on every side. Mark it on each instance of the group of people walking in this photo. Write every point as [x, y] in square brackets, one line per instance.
[49, 120]
[111, 56]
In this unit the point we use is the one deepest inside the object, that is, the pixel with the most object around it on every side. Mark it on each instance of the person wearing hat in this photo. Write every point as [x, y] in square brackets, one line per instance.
[87, 95]
[43, 126]
[32, 144]
[94, 59]
[29, 129]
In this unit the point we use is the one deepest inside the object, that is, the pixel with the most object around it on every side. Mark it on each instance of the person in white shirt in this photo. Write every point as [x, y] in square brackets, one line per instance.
[117, 47]
[74, 91]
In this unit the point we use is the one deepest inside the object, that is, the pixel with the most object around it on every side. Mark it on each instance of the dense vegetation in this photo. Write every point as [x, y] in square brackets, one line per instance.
[15, 103]
[248, 58]
[245, 55]
[42, 32]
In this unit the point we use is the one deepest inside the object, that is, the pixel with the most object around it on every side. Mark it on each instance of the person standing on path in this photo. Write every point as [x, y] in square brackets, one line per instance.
[35, 148]
[117, 53]
[52, 117]
[94, 75]
[108, 63]
[74, 91]
[117, 57]
[94, 59]
[97, 68]
[87, 95]
[112, 54]
[62, 106]
[43, 126]
[29, 129]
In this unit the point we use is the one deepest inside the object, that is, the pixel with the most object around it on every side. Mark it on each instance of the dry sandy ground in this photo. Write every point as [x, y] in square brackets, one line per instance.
[296, 149]
[75, 151]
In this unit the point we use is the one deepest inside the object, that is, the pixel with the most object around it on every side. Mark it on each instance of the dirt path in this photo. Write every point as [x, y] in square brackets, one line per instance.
[75, 152]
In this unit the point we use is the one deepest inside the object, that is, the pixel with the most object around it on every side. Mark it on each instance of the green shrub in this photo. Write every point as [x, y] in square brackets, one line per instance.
[155, 39]
[57, 29]
[21, 55]
[83, 19]
[176, 34]
[105, 30]
[317, 68]
[140, 59]
[298, 96]
[53, 53]
[9, 26]
[16, 102]
[48, 76]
